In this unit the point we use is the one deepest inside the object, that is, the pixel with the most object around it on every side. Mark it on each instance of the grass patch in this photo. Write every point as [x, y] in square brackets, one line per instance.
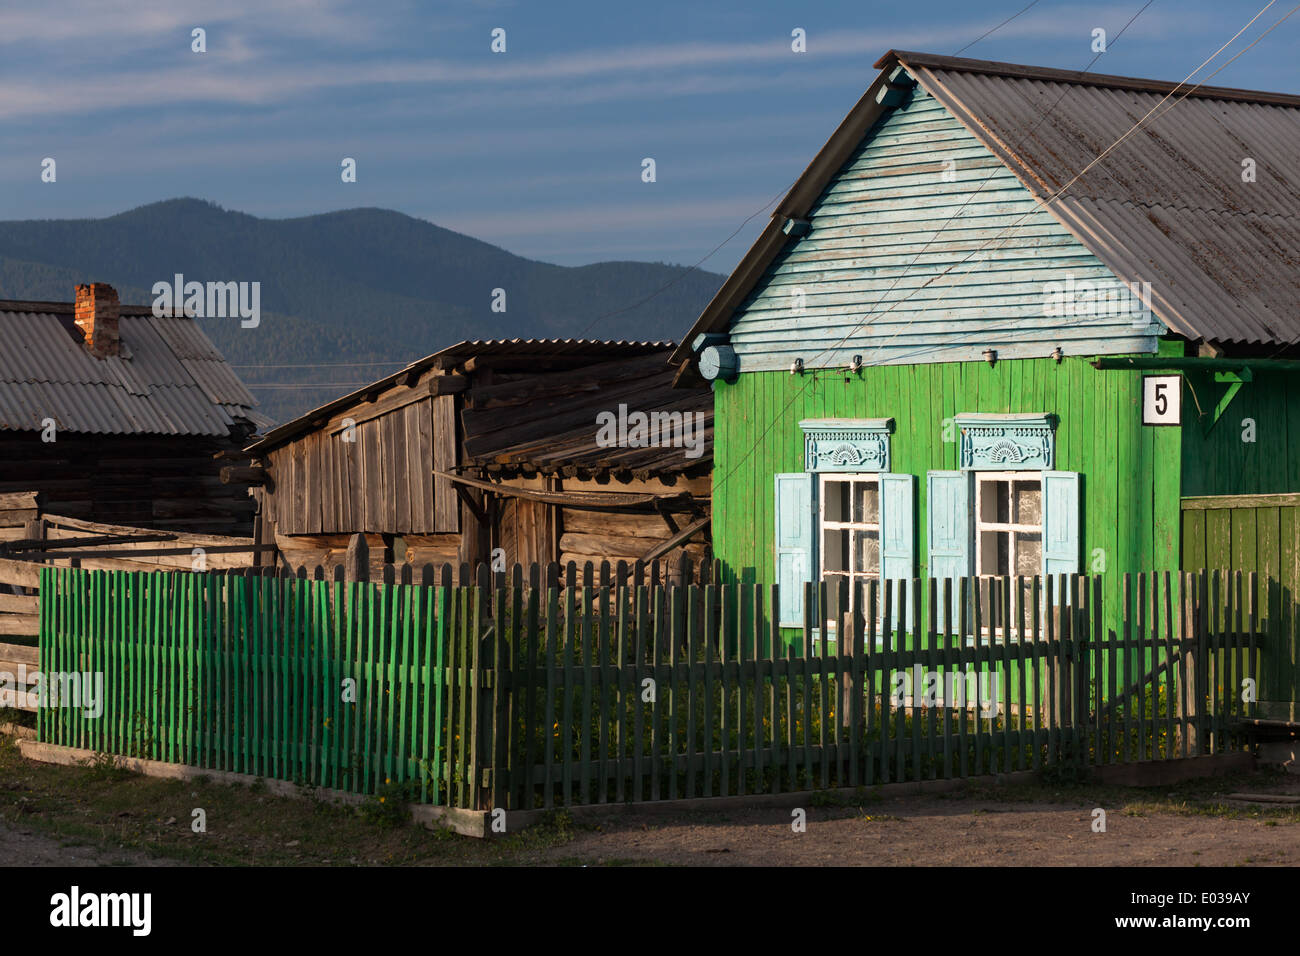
[116, 811]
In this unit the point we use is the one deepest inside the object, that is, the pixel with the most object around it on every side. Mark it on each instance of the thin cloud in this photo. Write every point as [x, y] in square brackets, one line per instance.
[265, 80]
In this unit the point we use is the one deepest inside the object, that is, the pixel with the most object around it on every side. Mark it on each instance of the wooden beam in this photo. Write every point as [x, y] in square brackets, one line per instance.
[1190, 364]
[448, 384]
[680, 538]
[154, 552]
[22, 573]
[244, 474]
[479, 514]
[588, 500]
[1216, 502]
[18, 501]
[31, 544]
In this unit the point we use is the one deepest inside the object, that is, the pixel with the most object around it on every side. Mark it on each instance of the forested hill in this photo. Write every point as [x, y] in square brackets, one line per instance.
[357, 286]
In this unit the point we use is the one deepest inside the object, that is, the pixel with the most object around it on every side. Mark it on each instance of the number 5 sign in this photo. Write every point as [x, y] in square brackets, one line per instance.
[1162, 399]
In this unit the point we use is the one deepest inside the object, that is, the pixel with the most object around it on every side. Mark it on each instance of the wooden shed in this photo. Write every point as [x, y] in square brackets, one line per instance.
[970, 344]
[500, 452]
[118, 416]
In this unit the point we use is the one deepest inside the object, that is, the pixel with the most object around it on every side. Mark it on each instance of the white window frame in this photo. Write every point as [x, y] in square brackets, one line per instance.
[854, 528]
[824, 525]
[1012, 528]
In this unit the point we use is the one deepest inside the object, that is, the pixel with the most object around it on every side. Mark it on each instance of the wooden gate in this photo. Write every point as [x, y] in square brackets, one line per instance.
[1259, 533]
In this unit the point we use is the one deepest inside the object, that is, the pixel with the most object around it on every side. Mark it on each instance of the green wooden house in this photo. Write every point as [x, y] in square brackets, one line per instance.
[1019, 321]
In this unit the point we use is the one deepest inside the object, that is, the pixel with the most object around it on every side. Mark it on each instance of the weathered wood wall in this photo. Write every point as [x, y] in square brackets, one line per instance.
[328, 550]
[597, 536]
[170, 482]
[368, 468]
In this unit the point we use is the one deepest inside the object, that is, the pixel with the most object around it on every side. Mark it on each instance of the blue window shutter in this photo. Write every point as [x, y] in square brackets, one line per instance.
[949, 505]
[897, 552]
[794, 543]
[1061, 522]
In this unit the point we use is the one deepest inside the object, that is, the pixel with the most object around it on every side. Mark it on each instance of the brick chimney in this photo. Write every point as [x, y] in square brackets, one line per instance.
[96, 315]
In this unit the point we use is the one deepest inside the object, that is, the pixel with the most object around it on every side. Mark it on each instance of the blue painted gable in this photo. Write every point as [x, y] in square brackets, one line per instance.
[926, 248]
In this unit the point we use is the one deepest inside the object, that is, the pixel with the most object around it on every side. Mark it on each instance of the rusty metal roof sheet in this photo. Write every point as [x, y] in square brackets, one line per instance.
[1167, 206]
[169, 379]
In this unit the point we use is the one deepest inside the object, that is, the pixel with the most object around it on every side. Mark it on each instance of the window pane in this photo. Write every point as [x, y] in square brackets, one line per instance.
[837, 500]
[1029, 554]
[994, 506]
[835, 550]
[1029, 499]
[993, 552]
[866, 502]
[866, 556]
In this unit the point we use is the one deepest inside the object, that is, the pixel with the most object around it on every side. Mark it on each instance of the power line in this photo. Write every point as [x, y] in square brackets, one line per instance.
[995, 29]
[754, 443]
[689, 269]
[1133, 129]
[695, 266]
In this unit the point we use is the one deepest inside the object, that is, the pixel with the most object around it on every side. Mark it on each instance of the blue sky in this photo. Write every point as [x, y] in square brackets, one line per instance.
[538, 149]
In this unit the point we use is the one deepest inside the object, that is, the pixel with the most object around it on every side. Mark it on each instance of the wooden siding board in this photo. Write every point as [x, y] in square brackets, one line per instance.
[1219, 462]
[885, 232]
[1099, 426]
[423, 466]
[446, 504]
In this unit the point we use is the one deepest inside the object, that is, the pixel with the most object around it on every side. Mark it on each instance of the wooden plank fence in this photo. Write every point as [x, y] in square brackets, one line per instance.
[539, 691]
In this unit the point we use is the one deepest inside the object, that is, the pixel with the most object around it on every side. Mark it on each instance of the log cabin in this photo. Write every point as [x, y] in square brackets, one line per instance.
[500, 452]
[115, 415]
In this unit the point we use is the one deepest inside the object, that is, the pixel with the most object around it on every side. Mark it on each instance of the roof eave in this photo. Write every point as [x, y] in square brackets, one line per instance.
[797, 202]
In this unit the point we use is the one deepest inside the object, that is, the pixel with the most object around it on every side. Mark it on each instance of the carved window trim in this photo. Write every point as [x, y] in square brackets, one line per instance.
[849, 445]
[1006, 442]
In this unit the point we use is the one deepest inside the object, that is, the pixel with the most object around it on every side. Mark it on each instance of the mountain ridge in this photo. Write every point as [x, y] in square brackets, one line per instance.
[361, 285]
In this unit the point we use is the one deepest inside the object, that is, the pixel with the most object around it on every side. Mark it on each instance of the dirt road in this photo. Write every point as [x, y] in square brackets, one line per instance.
[928, 832]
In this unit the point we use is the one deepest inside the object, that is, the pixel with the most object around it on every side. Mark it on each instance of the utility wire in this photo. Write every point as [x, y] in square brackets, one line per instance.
[799, 393]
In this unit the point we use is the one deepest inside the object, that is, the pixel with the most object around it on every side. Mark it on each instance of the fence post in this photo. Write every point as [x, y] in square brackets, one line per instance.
[482, 762]
[851, 627]
[1061, 619]
[356, 560]
[1189, 712]
[1197, 665]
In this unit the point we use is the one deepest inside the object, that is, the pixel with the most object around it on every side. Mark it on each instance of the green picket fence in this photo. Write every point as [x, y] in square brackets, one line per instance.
[546, 692]
[351, 686]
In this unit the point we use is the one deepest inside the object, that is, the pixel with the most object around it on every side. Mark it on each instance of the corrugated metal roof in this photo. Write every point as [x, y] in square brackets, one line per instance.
[550, 347]
[169, 379]
[1168, 205]
[549, 425]
[541, 348]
